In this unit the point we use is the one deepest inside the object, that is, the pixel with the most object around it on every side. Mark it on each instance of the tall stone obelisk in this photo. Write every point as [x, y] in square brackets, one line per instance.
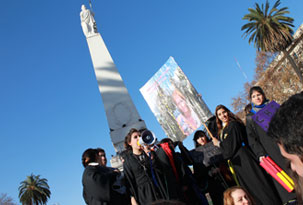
[120, 110]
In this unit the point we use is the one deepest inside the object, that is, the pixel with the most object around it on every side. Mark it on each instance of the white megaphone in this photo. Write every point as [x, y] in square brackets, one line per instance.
[147, 138]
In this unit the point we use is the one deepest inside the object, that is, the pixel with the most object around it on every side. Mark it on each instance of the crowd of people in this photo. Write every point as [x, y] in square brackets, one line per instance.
[224, 167]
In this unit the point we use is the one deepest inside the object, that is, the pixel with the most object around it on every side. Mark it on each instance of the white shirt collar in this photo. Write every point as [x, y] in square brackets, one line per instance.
[93, 164]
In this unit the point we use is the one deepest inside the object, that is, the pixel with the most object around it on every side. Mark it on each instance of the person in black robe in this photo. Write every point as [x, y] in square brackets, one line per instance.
[263, 145]
[183, 182]
[98, 182]
[249, 174]
[149, 172]
[139, 170]
[209, 166]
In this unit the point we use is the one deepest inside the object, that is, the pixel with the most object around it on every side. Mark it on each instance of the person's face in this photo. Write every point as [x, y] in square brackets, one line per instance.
[202, 140]
[134, 141]
[296, 163]
[102, 158]
[223, 115]
[257, 98]
[181, 104]
[240, 197]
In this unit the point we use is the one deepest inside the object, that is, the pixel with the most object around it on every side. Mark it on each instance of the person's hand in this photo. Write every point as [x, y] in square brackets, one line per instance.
[133, 201]
[147, 149]
[180, 144]
[261, 158]
[117, 170]
[216, 142]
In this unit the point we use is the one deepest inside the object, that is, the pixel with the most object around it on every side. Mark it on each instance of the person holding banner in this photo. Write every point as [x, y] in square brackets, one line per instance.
[261, 144]
[209, 168]
[185, 116]
[246, 171]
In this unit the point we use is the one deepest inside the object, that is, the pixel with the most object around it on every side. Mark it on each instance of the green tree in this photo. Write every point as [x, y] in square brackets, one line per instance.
[34, 190]
[270, 30]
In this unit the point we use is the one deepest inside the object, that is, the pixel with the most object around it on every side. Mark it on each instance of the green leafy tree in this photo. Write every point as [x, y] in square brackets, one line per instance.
[34, 190]
[270, 30]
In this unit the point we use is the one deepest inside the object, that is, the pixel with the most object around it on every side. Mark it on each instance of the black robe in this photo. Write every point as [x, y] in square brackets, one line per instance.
[208, 170]
[179, 186]
[249, 174]
[139, 179]
[142, 184]
[170, 187]
[262, 145]
[97, 187]
[193, 194]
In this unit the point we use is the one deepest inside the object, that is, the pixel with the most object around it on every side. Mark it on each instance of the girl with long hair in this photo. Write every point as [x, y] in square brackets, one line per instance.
[233, 143]
[261, 144]
[186, 118]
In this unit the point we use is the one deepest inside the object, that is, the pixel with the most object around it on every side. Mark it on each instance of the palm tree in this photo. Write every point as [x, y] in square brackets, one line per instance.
[34, 191]
[270, 30]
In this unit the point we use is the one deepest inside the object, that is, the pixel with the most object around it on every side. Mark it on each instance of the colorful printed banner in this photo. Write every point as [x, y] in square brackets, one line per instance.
[175, 102]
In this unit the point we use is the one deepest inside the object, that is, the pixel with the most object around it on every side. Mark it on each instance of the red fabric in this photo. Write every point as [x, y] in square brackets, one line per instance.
[169, 153]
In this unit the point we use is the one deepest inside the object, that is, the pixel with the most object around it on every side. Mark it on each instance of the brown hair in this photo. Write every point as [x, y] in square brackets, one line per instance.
[197, 135]
[231, 116]
[100, 150]
[128, 138]
[257, 89]
[228, 199]
[88, 156]
[247, 108]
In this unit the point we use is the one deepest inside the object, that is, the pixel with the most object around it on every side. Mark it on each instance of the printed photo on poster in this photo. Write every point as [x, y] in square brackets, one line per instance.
[176, 104]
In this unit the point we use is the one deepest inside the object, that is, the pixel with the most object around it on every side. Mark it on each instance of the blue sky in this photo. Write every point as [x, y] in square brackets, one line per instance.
[51, 109]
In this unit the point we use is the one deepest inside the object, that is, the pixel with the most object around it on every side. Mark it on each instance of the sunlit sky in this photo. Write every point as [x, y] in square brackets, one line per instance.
[51, 109]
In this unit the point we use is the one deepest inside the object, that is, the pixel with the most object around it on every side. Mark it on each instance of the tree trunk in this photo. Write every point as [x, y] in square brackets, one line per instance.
[294, 66]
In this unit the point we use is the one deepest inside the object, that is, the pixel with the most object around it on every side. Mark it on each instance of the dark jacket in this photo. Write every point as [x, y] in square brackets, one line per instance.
[262, 144]
[249, 174]
[97, 186]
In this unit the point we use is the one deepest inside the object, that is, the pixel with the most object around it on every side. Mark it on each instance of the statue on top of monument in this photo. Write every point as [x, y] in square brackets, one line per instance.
[88, 22]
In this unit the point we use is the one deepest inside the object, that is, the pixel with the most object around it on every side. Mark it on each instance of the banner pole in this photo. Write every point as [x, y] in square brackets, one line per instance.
[209, 133]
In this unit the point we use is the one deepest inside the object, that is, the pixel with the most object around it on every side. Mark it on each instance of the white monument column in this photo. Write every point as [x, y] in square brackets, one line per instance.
[121, 112]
